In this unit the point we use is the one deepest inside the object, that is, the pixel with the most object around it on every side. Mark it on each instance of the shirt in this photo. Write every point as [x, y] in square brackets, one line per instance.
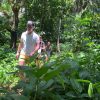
[29, 40]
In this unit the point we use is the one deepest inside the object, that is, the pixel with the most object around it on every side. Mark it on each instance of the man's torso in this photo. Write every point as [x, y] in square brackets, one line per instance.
[29, 40]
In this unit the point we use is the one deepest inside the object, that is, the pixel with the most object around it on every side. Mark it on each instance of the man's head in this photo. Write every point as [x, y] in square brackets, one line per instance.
[30, 26]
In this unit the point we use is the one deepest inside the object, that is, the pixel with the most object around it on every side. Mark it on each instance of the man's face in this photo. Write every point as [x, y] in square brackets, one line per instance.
[29, 28]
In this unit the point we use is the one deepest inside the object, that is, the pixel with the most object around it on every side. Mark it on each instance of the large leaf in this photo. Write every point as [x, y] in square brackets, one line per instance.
[76, 86]
[61, 80]
[48, 84]
[51, 75]
[71, 94]
[41, 71]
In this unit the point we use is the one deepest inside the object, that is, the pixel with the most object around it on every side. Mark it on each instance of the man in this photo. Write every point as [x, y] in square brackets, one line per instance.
[29, 44]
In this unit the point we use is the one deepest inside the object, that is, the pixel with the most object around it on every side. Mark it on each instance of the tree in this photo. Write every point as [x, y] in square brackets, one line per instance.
[12, 16]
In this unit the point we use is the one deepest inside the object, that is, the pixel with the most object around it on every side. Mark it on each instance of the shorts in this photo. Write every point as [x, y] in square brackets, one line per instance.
[24, 57]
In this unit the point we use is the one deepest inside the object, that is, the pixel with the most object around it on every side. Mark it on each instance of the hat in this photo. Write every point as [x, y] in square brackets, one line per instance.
[30, 23]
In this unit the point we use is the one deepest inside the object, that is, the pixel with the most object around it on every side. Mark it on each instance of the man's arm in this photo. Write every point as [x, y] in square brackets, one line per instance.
[36, 47]
[20, 47]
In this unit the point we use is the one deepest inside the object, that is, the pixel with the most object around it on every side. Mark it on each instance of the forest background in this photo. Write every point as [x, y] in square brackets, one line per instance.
[73, 28]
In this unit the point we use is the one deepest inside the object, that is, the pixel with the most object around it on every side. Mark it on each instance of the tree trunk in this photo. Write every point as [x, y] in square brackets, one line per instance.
[13, 38]
[58, 38]
[15, 10]
[80, 5]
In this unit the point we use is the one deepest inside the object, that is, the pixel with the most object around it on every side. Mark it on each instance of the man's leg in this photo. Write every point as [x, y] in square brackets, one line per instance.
[21, 64]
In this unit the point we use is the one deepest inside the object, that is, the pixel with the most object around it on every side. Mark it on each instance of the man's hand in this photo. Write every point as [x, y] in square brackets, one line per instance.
[17, 55]
[31, 54]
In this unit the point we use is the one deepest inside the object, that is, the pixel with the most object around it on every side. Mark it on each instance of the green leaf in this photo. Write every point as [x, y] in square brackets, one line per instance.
[71, 94]
[49, 83]
[90, 90]
[50, 75]
[76, 85]
[97, 86]
[52, 96]
[61, 80]
[41, 71]
[84, 74]
[83, 81]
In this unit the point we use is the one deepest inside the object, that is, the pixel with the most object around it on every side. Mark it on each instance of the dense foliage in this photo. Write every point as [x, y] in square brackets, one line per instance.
[66, 76]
